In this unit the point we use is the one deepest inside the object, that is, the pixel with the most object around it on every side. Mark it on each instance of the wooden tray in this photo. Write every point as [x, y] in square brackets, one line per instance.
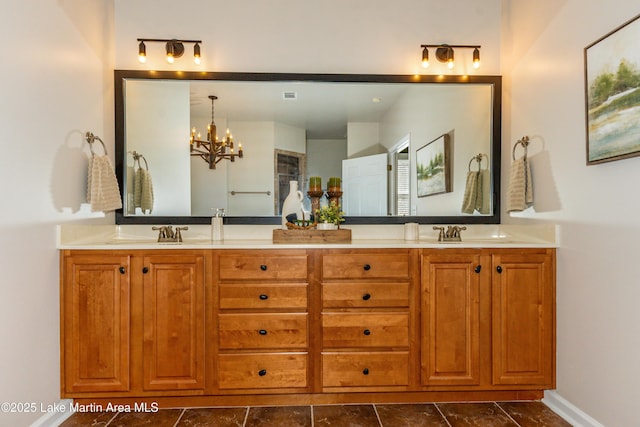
[342, 235]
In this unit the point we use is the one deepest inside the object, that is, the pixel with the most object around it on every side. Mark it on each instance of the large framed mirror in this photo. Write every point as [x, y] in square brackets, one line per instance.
[377, 133]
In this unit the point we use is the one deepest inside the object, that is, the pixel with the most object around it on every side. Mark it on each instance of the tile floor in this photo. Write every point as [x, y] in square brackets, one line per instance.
[488, 414]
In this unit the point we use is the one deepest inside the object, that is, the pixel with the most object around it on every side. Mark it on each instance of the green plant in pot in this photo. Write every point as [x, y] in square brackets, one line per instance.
[329, 214]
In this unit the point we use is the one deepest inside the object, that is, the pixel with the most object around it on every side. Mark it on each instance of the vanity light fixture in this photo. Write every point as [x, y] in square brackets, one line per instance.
[213, 150]
[476, 58]
[445, 53]
[174, 49]
[142, 53]
[425, 57]
[196, 53]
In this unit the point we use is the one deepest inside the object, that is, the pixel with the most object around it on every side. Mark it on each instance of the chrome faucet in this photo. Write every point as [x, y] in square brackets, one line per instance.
[167, 235]
[452, 234]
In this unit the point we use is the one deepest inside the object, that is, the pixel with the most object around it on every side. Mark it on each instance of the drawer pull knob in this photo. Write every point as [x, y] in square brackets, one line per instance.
[262, 332]
[122, 270]
[365, 371]
[366, 332]
[478, 268]
[366, 297]
[145, 270]
[499, 269]
[262, 372]
[367, 267]
[263, 267]
[264, 296]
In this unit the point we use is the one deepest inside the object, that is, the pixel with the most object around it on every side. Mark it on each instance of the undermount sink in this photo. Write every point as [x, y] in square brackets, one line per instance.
[471, 240]
[125, 241]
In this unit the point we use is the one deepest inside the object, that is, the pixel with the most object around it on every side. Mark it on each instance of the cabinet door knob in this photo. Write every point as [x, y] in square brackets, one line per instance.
[145, 270]
[262, 332]
[365, 371]
[263, 267]
[262, 372]
[367, 267]
[264, 296]
[366, 332]
[477, 269]
[366, 297]
[122, 270]
[499, 269]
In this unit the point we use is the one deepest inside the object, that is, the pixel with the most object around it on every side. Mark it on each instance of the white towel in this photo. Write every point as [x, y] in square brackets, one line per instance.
[103, 192]
[520, 190]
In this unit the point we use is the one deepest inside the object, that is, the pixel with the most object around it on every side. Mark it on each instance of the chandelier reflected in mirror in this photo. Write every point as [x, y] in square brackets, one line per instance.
[213, 150]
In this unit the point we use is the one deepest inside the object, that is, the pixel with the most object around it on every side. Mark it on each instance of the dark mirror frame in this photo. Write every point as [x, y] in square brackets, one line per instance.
[121, 75]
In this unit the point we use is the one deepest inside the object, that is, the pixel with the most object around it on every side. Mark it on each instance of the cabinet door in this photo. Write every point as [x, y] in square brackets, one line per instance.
[523, 319]
[95, 323]
[173, 305]
[450, 319]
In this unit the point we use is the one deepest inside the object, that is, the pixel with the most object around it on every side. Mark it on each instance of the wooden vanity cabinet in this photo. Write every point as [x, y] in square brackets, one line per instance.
[367, 319]
[488, 318]
[262, 321]
[221, 326]
[133, 321]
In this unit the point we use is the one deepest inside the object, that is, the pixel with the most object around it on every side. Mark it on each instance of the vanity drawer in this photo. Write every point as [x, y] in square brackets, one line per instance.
[262, 370]
[258, 266]
[263, 331]
[363, 294]
[365, 330]
[365, 265]
[267, 296]
[365, 369]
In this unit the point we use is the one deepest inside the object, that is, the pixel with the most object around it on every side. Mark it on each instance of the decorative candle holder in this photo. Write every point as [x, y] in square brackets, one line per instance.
[315, 196]
[334, 196]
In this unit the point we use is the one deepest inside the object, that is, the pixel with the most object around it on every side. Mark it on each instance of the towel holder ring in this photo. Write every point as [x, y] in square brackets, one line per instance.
[91, 138]
[136, 158]
[524, 141]
[477, 158]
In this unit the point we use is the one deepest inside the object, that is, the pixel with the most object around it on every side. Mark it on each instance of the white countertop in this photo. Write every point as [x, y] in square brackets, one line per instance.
[73, 236]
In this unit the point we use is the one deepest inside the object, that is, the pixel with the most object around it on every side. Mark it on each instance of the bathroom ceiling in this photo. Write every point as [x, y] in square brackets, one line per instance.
[323, 109]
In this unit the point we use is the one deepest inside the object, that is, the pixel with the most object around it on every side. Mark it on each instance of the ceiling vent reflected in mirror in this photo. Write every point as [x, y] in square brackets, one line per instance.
[289, 96]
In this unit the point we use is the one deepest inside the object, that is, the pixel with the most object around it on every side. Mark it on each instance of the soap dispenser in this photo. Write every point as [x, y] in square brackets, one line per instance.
[217, 232]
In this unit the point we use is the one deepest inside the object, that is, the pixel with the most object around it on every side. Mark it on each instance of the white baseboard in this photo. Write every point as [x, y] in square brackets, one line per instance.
[567, 410]
[51, 419]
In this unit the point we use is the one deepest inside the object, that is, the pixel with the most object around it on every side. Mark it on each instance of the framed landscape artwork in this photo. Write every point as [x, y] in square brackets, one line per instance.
[433, 168]
[612, 86]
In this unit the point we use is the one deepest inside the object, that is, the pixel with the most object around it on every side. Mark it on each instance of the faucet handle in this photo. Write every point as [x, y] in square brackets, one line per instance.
[179, 234]
[440, 234]
[162, 232]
